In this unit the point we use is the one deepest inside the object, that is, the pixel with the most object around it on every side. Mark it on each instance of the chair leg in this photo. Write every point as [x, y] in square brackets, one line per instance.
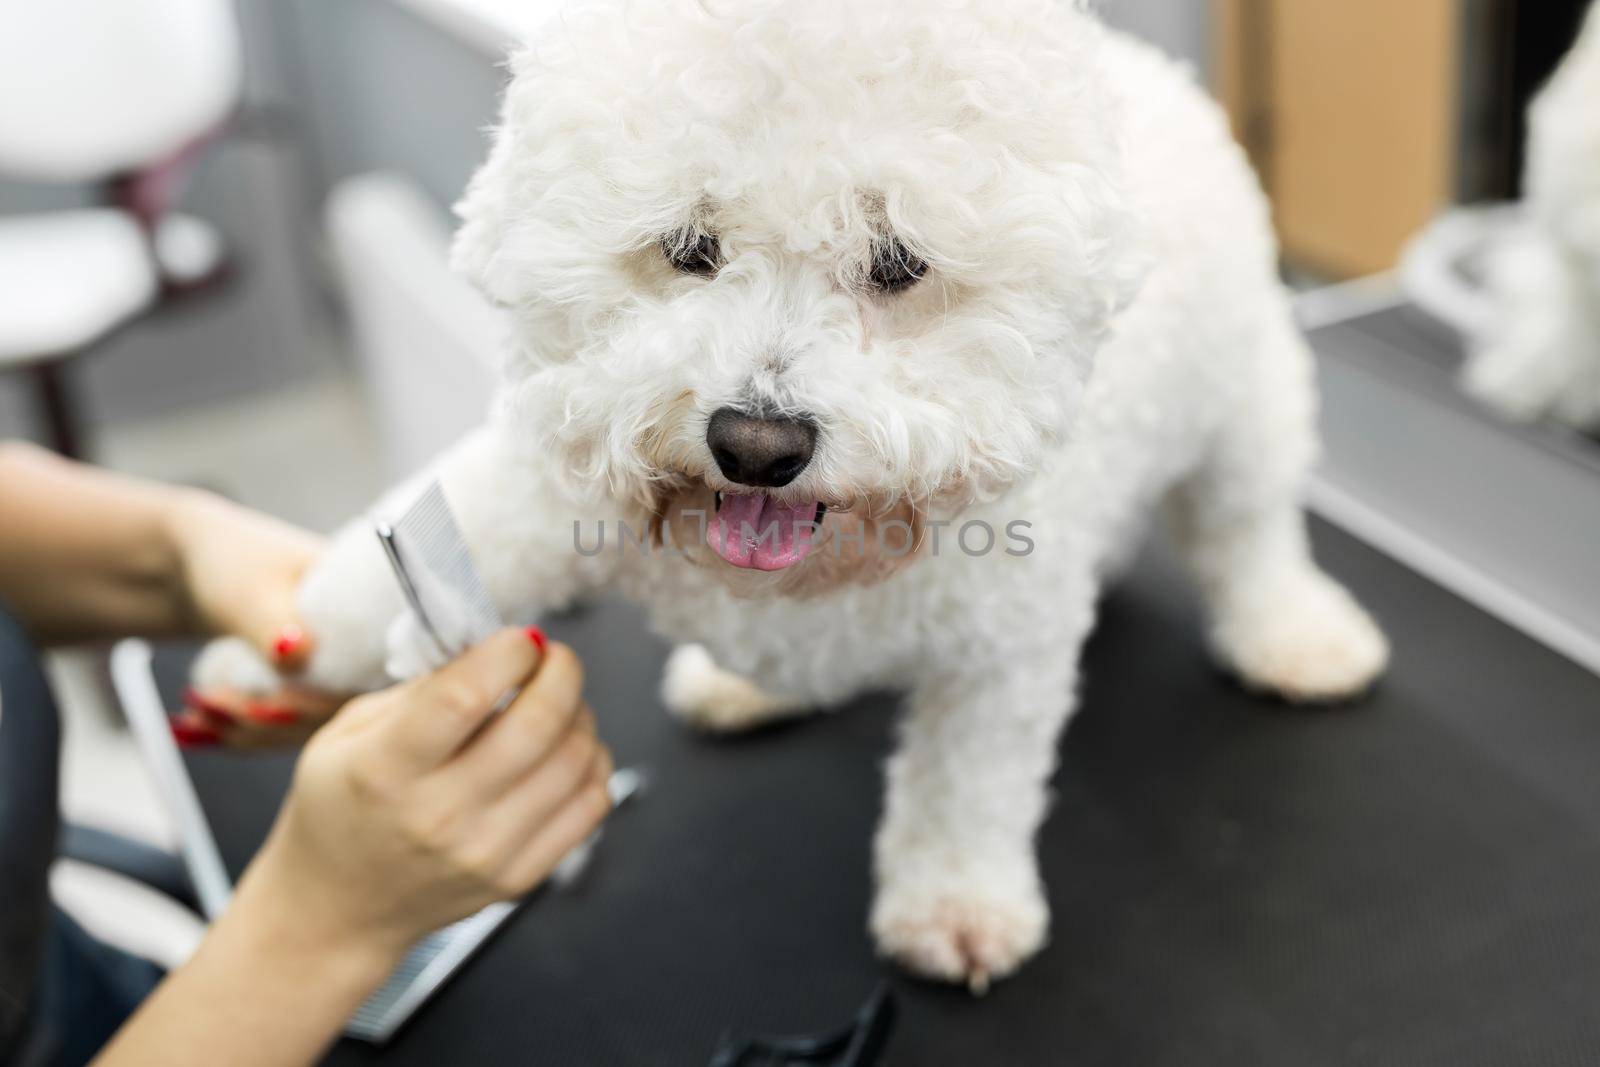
[58, 407]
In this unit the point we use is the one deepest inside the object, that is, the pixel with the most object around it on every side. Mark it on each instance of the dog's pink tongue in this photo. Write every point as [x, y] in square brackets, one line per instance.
[752, 531]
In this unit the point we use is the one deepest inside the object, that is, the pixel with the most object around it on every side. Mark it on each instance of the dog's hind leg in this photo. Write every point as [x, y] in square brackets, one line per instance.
[1276, 620]
[709, 698]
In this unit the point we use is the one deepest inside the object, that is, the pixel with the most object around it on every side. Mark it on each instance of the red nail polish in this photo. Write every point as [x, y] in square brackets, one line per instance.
[215, 714]
[214, 718]
[273, 716]
[538, 638]
[194, 701]
[290, 638]
[191, 734]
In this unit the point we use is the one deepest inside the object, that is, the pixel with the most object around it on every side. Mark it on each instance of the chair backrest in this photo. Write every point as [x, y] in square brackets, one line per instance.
[92, 88]
[429, 343]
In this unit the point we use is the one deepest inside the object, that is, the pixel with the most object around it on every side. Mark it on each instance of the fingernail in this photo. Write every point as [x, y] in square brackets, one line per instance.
[198, 701]
[190, 734]
[290, 638]
[273, 716]
[538, 638]
[215, 712]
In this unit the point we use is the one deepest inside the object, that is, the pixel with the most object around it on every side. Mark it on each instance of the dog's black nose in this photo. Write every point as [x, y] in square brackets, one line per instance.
[760, 452]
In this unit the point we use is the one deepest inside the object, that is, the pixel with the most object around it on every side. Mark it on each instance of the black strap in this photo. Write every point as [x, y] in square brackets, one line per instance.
[146, 864]
[30, 743]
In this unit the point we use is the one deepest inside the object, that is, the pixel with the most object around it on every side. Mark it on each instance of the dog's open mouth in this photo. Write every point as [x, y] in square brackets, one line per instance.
[755, 532]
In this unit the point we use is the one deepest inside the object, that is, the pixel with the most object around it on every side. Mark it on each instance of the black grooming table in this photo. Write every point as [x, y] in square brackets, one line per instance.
[1409, 881]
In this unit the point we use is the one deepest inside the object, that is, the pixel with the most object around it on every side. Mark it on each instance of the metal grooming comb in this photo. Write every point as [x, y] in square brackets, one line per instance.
[436, 574]
[445, 593]
[443, 590]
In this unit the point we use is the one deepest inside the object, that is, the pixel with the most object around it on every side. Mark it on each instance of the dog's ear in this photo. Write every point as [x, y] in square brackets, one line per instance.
[484, 210]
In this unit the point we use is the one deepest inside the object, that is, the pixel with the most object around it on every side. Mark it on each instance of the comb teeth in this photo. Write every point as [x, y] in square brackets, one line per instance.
[422, 971]
[430, 541]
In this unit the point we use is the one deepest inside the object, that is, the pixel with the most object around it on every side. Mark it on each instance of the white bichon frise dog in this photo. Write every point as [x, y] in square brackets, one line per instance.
[1539, 353]
[881, 325]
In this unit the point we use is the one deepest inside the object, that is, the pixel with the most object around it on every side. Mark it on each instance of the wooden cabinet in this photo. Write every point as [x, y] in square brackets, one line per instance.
[1350, 110]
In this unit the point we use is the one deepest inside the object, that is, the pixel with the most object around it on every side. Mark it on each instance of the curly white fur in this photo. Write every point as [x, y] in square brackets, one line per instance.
[1542, 356]
[1100, 329]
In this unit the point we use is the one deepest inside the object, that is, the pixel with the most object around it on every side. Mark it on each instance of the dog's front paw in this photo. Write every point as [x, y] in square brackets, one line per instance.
[1306, 640]
[971, 934]
[231, 664]
[410, 650]
[709, 698]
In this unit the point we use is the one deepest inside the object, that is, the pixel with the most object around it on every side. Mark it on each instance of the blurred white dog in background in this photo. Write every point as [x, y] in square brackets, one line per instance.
[1538, 354]
[881, 325]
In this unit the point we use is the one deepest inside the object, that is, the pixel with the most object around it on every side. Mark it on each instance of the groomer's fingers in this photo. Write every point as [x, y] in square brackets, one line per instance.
[288, 646]
[441, 711]
[526, 809]
[518, 740]
[514, 816]
[243, 572]
[272, 627]
[563, 831]
[270, 619]
[245, 720]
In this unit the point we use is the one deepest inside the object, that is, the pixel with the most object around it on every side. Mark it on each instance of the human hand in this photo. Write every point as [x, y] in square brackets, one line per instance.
[283, 718]
[414, 807]
[241, 573]
[418, 805]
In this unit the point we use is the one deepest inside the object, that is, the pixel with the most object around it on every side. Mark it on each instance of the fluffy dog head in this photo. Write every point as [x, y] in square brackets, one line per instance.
[897, 223]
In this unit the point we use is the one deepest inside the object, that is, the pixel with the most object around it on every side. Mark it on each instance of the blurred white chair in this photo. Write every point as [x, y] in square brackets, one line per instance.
[122, 94]
[428, 342]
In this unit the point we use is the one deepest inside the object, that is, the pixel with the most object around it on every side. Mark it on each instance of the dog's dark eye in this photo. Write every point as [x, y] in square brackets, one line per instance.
[692, 253]
[895, 267]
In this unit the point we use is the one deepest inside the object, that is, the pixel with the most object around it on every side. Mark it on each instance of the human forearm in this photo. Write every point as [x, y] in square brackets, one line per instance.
[85, 553]
[264, 990]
